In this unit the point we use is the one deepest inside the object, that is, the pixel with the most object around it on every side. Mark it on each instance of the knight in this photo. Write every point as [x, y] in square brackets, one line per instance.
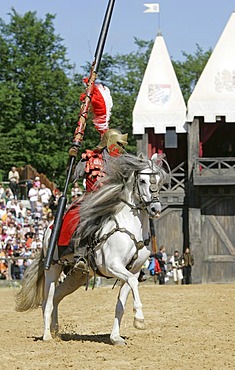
[91, 168]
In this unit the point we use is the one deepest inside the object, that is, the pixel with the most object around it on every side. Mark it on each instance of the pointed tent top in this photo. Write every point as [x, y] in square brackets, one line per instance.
[214, 93]
[160, 103]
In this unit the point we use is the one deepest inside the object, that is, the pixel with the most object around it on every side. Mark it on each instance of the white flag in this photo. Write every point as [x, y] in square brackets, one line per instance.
[152, 8]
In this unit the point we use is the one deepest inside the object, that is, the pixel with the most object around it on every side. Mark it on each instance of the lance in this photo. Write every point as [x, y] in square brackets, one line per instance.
[153, 237]
[79, 133]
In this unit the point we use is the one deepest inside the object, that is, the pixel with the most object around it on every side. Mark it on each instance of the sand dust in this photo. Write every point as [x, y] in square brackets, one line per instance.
[188, 327]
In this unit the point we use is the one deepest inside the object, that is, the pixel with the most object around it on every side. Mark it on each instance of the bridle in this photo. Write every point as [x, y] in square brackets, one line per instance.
[153, 188]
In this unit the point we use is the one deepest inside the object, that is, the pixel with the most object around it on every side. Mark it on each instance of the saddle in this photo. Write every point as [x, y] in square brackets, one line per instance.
[69, 224]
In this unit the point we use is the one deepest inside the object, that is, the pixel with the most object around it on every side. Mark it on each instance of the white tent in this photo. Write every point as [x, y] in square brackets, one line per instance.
[160, 103]
[214, 94]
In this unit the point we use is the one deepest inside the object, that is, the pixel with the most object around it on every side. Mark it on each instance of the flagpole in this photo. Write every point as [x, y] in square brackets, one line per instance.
[154, 8]
[159, 22]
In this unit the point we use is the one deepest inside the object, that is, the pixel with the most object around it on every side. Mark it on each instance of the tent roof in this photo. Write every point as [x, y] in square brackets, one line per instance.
[214, 93]
[160, 103]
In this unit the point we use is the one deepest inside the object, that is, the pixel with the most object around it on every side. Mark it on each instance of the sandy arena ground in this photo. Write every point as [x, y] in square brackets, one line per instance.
[188, 327]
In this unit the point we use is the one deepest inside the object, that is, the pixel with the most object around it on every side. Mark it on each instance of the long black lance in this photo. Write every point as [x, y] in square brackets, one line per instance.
[153, 237]
[79, 133]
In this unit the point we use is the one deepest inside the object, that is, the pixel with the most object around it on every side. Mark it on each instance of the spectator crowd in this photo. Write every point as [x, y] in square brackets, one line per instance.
[22, 224]
[178, 267]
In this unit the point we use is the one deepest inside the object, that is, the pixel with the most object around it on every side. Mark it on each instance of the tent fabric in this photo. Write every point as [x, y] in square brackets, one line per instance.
[214, 93]
[160, 102]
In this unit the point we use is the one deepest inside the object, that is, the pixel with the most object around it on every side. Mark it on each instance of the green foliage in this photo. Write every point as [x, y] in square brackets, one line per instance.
[189, 71]
[39, 97]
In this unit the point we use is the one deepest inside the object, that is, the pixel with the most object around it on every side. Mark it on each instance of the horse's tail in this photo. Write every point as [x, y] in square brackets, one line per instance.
[31, 294]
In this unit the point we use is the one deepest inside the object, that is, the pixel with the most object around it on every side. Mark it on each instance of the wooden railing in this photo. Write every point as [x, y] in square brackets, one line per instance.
[214, 171]
[174, 192]
[178, 179]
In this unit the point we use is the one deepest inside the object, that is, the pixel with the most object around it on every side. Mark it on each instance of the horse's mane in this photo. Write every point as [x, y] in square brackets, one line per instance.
[98, 206]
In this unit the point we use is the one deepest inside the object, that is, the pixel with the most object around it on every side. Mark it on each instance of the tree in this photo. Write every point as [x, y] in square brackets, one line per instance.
[189, 70]
[39, 100]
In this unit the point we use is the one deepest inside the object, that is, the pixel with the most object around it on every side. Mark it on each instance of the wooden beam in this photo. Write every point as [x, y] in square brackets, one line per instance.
[219, 258]
[222, 234]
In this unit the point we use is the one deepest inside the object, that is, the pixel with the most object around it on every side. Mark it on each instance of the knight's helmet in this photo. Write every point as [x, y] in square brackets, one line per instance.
[114, 141]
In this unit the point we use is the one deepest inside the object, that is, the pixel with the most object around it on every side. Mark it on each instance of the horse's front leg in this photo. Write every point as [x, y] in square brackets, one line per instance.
[139, 317]
[119, 311]
[137, 305]
[51, 278]
[131, 280]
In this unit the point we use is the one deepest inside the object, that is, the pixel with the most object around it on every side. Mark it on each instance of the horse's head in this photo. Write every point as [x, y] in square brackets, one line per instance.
[148, 184]
[131, 180]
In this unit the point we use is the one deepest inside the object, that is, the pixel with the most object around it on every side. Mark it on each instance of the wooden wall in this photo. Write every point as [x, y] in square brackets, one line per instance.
[204, 221]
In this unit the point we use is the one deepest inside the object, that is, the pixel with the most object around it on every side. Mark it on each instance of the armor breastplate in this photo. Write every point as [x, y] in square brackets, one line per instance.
[94, 167]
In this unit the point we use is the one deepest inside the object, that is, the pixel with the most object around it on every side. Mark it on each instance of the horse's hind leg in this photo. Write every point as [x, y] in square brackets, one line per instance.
[119, 311]
[51, 278]
[71, 283]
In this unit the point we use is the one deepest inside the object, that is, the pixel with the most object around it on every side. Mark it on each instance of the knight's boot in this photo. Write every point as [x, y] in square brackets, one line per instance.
[80, 259]
[142, 276]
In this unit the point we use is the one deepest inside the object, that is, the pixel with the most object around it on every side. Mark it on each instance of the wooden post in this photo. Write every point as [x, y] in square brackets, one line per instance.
[194, 212]
[142, 144]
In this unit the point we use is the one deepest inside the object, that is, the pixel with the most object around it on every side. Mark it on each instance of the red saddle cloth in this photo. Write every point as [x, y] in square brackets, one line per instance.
[69, 224]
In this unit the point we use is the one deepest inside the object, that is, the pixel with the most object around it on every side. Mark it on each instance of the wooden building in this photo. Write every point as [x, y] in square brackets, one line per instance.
[199, 205]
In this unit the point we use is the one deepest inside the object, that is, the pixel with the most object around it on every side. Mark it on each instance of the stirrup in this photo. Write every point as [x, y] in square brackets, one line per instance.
[142, 276]
[81, 264]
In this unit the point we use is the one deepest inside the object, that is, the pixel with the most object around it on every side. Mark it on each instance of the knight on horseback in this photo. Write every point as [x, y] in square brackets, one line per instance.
[91, 168]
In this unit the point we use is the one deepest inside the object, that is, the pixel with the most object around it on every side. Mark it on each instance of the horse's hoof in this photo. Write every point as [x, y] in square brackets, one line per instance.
[47, 337]
[118, 341]
[54, 332]
[139, 324]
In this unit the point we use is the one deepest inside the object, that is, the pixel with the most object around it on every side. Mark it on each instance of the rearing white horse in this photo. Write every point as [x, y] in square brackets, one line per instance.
[117, 218]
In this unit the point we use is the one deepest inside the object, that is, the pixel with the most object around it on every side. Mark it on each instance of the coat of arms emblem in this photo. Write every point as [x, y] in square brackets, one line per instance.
[225, 80]
[159, 93]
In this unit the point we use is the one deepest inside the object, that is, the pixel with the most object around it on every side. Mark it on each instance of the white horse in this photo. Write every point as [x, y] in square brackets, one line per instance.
[117, 218]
